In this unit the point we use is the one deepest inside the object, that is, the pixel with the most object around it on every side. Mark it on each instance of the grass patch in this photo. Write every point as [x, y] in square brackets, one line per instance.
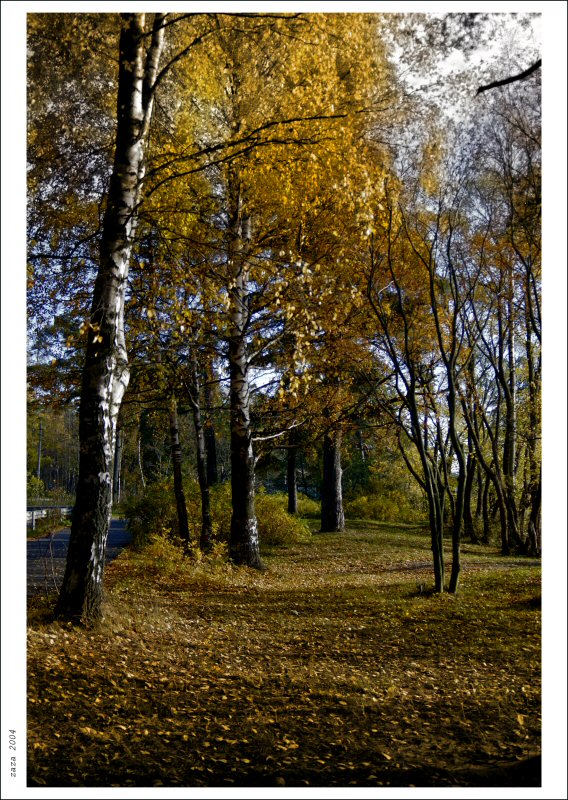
[329, 669]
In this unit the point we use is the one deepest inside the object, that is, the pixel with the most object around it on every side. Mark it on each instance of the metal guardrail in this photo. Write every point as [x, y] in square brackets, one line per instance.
[41, 512]
[46, 502]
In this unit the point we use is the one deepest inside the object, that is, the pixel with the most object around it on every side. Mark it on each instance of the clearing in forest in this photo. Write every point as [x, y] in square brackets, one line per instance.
[335, 667]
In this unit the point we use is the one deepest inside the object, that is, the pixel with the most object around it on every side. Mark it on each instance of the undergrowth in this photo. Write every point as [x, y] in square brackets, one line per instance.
[155, 513]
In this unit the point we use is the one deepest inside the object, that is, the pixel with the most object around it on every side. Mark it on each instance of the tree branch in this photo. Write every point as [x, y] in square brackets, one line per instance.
[512, 79]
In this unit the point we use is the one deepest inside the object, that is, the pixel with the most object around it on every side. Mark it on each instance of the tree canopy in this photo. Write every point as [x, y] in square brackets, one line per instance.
[263, 220]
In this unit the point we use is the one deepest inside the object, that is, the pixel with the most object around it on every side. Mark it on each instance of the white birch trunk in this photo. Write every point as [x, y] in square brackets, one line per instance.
[244, 546]
[106, 373]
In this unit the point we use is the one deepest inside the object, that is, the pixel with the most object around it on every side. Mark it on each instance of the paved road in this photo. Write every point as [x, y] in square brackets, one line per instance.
[46, 557]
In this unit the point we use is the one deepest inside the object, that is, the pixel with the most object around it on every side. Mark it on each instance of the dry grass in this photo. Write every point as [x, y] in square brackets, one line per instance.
[329, 669]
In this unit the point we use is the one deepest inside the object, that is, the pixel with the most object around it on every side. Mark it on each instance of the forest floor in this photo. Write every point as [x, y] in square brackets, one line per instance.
[334, 667]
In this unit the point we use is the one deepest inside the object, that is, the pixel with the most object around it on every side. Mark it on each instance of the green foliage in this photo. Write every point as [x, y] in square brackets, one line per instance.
[153, 516]
[35, 486]
[55, 445]
[162, 559]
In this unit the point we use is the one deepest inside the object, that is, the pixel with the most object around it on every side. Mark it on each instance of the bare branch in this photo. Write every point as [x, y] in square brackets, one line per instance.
[277, 435]
[512, 79]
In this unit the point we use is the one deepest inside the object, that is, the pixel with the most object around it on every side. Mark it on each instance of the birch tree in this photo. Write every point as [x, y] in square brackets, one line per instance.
[106, 372]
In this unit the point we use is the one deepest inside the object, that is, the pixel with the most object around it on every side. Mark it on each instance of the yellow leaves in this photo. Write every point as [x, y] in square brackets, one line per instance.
[100, 736]
[319, 696]
[287, 744]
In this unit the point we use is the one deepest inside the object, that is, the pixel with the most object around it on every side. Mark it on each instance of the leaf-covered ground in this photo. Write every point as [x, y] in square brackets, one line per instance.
[335, 667]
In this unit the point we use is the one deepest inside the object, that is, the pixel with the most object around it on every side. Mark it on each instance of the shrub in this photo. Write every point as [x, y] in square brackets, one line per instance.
[154, 515]
[308, 508]
[388, 507]
[275, 525]
[35, 486]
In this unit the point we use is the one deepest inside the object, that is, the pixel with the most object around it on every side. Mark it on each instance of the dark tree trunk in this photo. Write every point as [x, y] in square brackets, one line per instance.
[468, 520]
[244, 545]
[535, 468]
[457, 530]
[503, 518]
[291, 477]
[140, 466]
[206, 536]
[244, 542]
[507, 377]
[524, 501]
[149, 446]
[534, 535]
[485, 510]
[105, 373]
[332, 516]
[183, 522]
[462, 475]
[480, 483]
[434, 489]
[210, 439]
[116, 482]
[435, 486]
[436, 519]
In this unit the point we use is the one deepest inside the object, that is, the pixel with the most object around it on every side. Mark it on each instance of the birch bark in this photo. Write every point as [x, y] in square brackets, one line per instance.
[244, 545]
[106, 372]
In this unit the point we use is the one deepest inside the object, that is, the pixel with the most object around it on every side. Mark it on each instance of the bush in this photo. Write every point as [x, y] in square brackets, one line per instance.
[389, 507]
[35, 487]
[275, 525]
[154, 515]
[308, 508]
